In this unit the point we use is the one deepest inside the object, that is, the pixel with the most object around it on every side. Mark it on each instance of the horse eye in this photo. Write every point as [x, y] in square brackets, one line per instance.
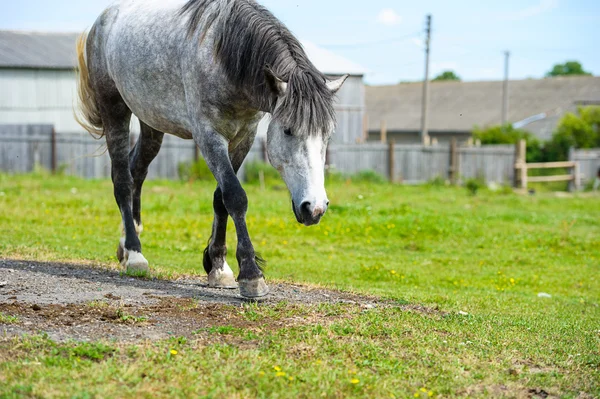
[288, 131]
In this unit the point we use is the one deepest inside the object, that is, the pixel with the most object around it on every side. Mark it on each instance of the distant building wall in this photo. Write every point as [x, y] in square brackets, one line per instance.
[415, 137]
[349, 110]
[38, 96]
[41, 96]
[46, 96]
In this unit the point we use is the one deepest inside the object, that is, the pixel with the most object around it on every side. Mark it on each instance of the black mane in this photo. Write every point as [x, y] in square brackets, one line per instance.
[249, 40]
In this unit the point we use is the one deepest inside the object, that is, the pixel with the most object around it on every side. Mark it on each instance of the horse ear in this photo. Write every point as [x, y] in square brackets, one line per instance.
[277, 86]
[336, 85]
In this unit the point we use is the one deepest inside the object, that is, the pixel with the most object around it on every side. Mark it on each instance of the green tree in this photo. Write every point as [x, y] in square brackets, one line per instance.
[509, 135]
[569, 68]
[579, 131]
[447, 75]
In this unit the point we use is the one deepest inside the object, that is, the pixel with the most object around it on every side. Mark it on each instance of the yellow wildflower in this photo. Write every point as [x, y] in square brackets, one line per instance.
[173, 352]
[423, 389]
[291, 378]
[276, 368]
[355, 381]
[430, 394]
[280, 374]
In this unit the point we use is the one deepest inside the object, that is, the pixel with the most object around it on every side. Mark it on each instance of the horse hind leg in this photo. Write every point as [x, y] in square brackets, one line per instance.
[115, 118]
[146, 149]
[142, 154]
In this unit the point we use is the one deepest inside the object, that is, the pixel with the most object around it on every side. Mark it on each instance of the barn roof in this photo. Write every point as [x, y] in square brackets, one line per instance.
[459, 106]
[37, 50]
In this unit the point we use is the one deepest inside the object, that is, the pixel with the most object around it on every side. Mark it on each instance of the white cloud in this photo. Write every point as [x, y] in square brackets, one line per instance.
[542, 7]
[389, 17]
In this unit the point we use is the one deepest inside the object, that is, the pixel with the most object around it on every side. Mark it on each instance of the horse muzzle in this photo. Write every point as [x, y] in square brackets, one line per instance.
[308, 213]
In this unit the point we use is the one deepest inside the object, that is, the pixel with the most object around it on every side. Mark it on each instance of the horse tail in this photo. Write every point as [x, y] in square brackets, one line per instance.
[88, 116]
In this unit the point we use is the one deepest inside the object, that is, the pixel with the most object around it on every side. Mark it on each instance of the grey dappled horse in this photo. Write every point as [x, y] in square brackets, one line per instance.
[206, 70]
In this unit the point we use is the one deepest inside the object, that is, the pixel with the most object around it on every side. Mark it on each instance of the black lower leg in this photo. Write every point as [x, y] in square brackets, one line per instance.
[140, 157]
[123, 185]
[236, 203]
[216, 251]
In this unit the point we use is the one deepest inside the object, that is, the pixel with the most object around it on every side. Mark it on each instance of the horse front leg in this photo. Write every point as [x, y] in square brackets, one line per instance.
[251, 281]
[219, 273]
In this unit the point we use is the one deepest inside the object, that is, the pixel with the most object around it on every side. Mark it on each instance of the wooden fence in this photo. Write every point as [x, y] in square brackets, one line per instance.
[24, 147]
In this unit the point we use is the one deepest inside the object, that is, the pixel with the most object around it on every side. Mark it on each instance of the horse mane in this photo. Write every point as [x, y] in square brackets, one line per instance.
[249, 41]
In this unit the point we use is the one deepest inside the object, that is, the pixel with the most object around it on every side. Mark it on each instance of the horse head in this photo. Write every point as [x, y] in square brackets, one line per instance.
[297, 140]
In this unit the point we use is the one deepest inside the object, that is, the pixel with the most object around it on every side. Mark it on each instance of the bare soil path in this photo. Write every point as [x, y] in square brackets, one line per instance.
[69, 301]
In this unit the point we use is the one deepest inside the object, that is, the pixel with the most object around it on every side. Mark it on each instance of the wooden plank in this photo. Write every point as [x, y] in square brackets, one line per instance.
[551, 165]
[548, 179]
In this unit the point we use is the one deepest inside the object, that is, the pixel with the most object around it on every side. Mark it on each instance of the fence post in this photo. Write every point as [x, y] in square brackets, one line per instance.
[521, 164]
[392, 160]
[453, 161]
[383, 132]
[577, 177]
[196, 152]
[53, 150]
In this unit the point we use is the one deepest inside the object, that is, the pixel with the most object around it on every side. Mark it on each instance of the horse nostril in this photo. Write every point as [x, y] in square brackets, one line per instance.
[327, 203]
[305, 207]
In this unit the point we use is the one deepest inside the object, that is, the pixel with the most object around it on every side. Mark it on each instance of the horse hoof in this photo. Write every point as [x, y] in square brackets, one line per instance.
[253, 288]
[136, 263]
[222, 278]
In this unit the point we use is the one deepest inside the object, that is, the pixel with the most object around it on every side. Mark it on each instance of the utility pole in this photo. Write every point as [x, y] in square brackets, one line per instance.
[425, 106]
[505, 89]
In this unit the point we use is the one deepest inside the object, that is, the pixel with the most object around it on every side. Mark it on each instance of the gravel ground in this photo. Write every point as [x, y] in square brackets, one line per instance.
[69, 301]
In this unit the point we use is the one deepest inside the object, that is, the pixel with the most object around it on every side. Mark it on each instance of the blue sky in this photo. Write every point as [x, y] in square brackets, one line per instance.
[386, 37]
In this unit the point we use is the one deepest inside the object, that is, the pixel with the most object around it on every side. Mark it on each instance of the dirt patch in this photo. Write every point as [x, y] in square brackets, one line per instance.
[82, 303]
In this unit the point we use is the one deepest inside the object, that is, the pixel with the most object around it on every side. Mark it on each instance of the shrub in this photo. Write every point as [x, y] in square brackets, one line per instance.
[368, 176]
[192, 171]
[580, 131]
[474, 185]
[438, 181]
[253, 169]
[507, 134]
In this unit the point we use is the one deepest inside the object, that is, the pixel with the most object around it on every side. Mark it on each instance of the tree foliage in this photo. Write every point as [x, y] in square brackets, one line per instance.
[447, 76]
[581, 130]
[569, 68]
[509, 135]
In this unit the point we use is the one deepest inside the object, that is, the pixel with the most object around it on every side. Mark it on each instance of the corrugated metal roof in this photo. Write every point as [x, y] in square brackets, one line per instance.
[459, 106]
[37, 50]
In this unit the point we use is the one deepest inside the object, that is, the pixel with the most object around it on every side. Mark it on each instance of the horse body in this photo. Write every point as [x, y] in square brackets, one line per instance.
[206, 70]
[158, 89]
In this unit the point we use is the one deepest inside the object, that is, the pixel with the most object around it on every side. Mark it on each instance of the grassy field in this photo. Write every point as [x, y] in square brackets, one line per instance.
[476, 263]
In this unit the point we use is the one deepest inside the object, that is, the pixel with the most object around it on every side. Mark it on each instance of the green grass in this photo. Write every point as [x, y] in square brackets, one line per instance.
[487, 255]
[8, 319]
